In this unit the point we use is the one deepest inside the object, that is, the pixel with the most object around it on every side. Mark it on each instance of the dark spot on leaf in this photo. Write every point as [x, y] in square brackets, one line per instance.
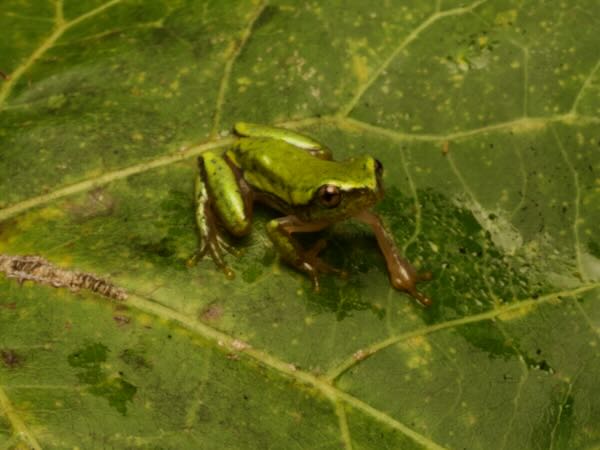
[88, 356]
[121, 320]
[164, 248]
[594, 248]
[211, 313]
[135, 359]
[116, 390]
[10, 358]
[544, 366]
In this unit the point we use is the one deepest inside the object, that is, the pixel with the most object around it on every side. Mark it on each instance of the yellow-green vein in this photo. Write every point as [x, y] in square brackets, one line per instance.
[235, 52]
[60, 27]
[17, 424]
[372, 349]
[345, 110]
[230, 344]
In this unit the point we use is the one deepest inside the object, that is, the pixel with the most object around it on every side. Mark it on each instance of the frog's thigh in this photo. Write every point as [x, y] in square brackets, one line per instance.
[280, 232]
[231, 198]
[296, 139]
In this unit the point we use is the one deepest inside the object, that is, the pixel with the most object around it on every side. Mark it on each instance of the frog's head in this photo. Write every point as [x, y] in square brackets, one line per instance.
[358, 186]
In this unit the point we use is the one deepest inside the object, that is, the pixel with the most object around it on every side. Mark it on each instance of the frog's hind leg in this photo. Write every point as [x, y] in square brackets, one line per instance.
[301, 141]
[222, 198]
[280, 232]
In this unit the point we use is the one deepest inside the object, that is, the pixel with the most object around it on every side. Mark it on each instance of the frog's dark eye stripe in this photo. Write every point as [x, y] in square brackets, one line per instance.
[330, 195]
[378, 167]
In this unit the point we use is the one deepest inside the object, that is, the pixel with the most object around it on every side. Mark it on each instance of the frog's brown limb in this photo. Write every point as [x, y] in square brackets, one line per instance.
[322, 266]
[403, 275]
[280, 232]
[4, 76]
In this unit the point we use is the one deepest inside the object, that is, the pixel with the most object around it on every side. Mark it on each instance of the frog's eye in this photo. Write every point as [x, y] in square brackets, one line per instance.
[330, 195]
[378, 167]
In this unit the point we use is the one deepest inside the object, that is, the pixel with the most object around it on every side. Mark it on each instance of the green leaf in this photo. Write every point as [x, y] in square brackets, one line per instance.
[486, 116]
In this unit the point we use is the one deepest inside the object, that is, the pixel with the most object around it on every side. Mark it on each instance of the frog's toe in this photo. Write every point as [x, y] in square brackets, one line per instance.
[196, 257]
[311, 270]
[229, 273]
[421, 298]
[192, 260]
[324, 267]
[222, 243]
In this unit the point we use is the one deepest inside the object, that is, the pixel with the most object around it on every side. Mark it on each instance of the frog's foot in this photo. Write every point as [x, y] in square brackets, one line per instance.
[214, 245]
[412, 290]
[223, 244]
[406, 280]
[214, 249]
[321, 266]
[313, 265]
[419, 297]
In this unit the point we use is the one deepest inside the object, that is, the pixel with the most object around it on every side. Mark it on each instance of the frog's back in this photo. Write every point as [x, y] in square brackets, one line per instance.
[286, 171]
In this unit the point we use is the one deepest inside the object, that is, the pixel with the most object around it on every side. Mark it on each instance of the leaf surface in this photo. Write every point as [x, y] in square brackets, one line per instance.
[486, 117]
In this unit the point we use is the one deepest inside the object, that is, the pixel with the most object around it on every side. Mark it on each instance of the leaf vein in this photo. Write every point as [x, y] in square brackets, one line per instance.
[343, 422]
[225, 342]
[414, 34]
[413, 190]
[60, 27]
[106, 178]
[586, 84]
[18, 426]
[577, 201]
[237, 49]
[376, 347]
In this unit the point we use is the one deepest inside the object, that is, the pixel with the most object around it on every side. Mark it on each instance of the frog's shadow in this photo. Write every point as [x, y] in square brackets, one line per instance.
[351, 247]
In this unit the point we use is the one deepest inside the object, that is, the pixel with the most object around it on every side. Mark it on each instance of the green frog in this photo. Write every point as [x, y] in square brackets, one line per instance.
[298, 177]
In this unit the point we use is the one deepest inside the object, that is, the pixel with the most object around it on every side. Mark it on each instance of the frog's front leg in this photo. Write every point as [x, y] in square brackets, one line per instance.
[222, 198]
[280, 232]
[402, 274]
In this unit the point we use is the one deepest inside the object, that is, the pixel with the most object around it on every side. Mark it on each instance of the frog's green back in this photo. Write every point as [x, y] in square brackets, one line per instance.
[293, 174]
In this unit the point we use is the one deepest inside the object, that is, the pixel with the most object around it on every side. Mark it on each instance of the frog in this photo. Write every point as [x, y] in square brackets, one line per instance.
[296, 176]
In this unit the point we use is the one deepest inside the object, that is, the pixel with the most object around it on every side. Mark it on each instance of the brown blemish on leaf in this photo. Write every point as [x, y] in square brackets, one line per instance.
[445, 147]
[4, 76]
[10, 358]
[97, 203]
[37, 269]
[121, 320]
[211, 313]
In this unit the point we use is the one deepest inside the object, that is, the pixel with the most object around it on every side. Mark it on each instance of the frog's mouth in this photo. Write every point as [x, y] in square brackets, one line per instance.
[358, 200]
